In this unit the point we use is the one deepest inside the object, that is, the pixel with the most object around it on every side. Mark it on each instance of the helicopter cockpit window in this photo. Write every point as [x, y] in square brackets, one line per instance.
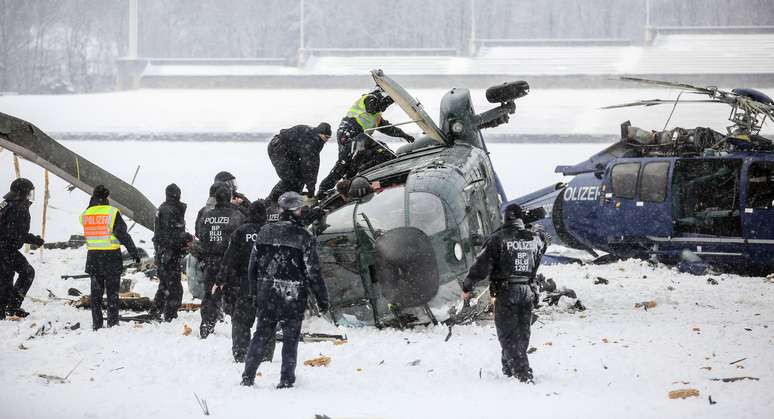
[760, 188]
[340, 220]
[653, 183]
[426, 213]
[625, 180]
[384, 211]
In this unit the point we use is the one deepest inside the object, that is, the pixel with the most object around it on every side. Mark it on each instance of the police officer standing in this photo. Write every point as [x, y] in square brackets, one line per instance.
[238, 293]
[510, 258]
[365, 115]
[284, 266]
[105, 232]
[295, 155]
[213, 230]
[170, 241]
[14, 233]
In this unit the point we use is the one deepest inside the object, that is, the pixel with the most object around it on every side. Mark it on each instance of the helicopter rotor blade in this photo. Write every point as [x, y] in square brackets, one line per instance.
[654, 102]
[704, 90]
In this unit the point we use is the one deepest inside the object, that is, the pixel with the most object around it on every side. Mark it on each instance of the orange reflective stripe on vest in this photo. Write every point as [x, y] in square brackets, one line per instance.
[98, 222]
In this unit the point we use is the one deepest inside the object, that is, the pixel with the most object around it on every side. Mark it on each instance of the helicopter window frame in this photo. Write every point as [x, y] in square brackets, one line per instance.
[755, 191]
[630, 187]
[653, 186]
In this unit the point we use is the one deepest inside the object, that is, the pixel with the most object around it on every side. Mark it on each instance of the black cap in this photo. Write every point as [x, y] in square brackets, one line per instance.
[324, 128]
[214, 187]
[290, 201]
[513, 212]
[258, 211]
[22, 186]
[100, 192]
[360, 187]
[173, 192]
[224, 177]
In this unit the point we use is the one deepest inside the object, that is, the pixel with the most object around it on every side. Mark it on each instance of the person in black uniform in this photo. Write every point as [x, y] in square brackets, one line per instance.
[510, 258]
[239, 296]
[170, 241]
[284, 267]
[105, 229]
[295, 155]
[14, 233]
[364, 116]
[213, 230]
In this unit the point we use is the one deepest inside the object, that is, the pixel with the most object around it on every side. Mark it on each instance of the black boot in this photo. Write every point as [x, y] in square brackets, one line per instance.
[526, 376]
[153, 314]
[285, 383]
[247, 381]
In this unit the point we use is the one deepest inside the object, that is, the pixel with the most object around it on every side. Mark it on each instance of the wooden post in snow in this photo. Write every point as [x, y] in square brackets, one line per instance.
[45, 207]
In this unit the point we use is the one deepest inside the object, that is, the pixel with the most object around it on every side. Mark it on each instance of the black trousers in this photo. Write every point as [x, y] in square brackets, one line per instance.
[288, 169]
[242, 320]
[267, 321]
[12, 294]
[169, 295]
[100, 284]
[212, 304]
[513, 318]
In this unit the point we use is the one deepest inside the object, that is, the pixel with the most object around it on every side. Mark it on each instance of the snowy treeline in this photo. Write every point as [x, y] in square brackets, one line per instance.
[58, 45]
[45, 43]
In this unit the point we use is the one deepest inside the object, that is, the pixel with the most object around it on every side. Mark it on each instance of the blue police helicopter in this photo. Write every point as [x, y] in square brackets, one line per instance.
[695, 198]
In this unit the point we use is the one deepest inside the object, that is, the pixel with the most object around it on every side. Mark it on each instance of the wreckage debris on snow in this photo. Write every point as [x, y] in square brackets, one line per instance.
[132, 301]
[647, 305]
[322, 361]
[683, 393]
[735, 379]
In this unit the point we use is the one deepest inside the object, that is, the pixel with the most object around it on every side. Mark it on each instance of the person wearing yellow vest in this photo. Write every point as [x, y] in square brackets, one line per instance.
[105, 231]
[364, 115]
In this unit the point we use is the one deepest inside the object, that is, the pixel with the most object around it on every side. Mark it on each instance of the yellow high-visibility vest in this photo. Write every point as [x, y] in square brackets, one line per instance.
[98, 222]
[363, 118]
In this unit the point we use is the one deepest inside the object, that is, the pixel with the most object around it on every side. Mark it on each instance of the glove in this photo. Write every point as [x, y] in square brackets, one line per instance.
[38, 241]
[136, 259]
[408, 138]
[324, 307]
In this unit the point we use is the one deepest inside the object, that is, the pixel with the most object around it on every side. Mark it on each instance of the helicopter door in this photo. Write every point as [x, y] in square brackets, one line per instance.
[621, 206]
[758, 216]
[653, 209]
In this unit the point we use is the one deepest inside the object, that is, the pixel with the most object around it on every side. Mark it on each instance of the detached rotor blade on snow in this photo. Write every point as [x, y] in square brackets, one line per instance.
[29, 142]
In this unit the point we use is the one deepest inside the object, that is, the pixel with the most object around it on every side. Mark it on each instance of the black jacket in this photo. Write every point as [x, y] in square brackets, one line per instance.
[243, 208]
[109, 262]
[510, 253]
[300, 144]
[284, 267]
[215, 226]
[15, 223]
[237, 257]
[169, 233]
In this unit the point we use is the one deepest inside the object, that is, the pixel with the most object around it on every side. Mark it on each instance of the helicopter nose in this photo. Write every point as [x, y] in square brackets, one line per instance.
[406, 267]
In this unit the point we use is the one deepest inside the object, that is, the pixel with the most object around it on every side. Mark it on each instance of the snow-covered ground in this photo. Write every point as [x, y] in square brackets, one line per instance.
[611, 360]
[547, 112]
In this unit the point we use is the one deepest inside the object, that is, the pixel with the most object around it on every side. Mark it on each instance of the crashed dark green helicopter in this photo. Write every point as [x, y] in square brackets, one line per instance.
[399, 254]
